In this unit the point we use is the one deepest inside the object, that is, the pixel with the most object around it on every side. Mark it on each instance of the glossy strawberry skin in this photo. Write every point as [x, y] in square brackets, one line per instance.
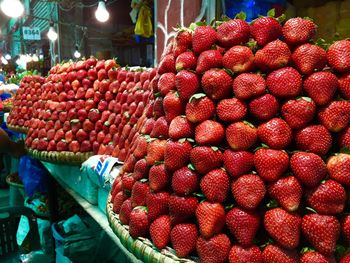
[231, 110]
[187, 84]
[160, 231]
[276, 133]
[248, 85]
[307, 58]
[184, 238]
[240, 254]
[139, 223]
[184, 181]
[239, 59]
[298, 30]
[233, 32]
[264, 108]
[344, 86]
[205, 158]
[238, 162]
[203, 38]
[157, 204]
[207, 60]
[274, 253]
[265, 29]
[199, 109]
[241, 135]
[336, 116]
[215, 185]
[217, 84]
[338, 55]
[284, 83]
[214, 250]
[339, 168]
[182, 208]
[209, 133]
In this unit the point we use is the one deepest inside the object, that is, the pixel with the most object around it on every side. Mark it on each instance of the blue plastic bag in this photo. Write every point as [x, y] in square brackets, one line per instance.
[33, 175]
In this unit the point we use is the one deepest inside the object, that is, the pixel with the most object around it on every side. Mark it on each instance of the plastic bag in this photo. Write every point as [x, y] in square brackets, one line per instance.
[144, 23]
[33, 175]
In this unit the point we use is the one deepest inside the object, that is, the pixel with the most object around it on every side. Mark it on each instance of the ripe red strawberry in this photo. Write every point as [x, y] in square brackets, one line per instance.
[307, 58]
[157, 204]
[265, 30]
[118, 200]
[173, 106]
[125, 211]
[207, 60]
[339, 168]
[274, 55]
[275, 133]
[299, 112]
[209, 133]
[283, 227]
[205, 158]
[233, 32]
[187, 84]
[155, 151]
[184, 238]
[338, 55]
[199, 108]
[239, 254]
[203, 38]
[160, 231]
[271, 164]
[180, 127]
[183, 41]
[243, 225]
[141, 149]
[309, 168]
[321, 87]
[314, 138]
[159, 177]
[214, 250]
[186, 60]
[138, 193]
[211, 218]
[284, 83]
[239, 59]
[264, 108]
[298, 30]
[313, 256]
[127, 182]
[160, 128]
[215, 185]
[248, 85]
[177, 154]
[288, 192]
[346, 228]
[217, 84]
[241, 135]
[276, 254]
[238, 162]
[344, 86]
[336, 116]
[231, 110]
[344, 138]
[182, 208]
[248, 191]
[166, 83]
[167, 64]
[138, 223]
[184, 181]
[321, 231]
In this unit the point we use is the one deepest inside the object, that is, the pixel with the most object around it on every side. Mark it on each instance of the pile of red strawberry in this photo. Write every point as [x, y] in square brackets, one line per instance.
[240, 144]
[26, 96]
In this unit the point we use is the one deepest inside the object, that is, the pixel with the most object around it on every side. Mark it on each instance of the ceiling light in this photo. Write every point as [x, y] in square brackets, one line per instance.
[76, 52]
[8, 56]
[12, 8]
[51, 34]
[101, 13]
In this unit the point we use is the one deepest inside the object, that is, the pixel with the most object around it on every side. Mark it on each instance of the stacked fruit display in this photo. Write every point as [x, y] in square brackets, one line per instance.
[22, 105]
[239, 154]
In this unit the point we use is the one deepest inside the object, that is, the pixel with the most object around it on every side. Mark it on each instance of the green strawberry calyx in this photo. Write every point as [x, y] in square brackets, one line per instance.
[197, 96]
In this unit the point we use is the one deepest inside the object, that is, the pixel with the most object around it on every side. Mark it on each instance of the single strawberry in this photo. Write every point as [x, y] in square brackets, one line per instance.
[211, 218]
[344, 138]
[231, 110]
[173, 106]
[288, 192]
[307, 58]
[322, 231]
[344, 86]
[199, 108]
[207, 60]
[138, 223]
[328, 198]
[240, 254]
[243, 225]
[345, 259]
[233, 32]
[271, 164]
[159, 177]
[183, 41]
[177, 154]
[183, 239]
[239, 59]
[283, 227]
[298, 30]
[241, 135]
[214, 250]
[265, 30]
[186, 60]
[180, 127]
[336, 116]
[157, 204]
[215, 185]
[125, 211]
[313, 256]
[217, 84]
[275, 133]
[209, 133]
[314, 138]
[184, 181]
[205, 158]
[277, 254]
[203, 38]
[238, 162]
[127, 182]
[167, 64]
[182, 208]
[160, 128]
[248, 85]
[298, 112]
[284, 83]
[155, 151]
[187, 84]
[166, 83]
[140, 169]
[138, 193]
[339, 168]
[321, 87]
[338, 55]
[159, 231]
[346, 228]
[264, 108]
[248, 191]
[309, 168]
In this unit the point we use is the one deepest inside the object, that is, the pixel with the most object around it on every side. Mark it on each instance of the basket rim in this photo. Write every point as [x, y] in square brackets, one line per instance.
[17, 128]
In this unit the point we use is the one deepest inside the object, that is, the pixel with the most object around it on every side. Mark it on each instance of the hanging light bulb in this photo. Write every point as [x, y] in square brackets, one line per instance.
[12, 8]
[51, 34]
[4, 61]
[101, 13]
[76, 52]
[35, 58]
[8, 56]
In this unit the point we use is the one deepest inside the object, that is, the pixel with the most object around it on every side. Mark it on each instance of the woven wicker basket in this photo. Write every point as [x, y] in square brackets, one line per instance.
[141, 248]
[17, 128]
